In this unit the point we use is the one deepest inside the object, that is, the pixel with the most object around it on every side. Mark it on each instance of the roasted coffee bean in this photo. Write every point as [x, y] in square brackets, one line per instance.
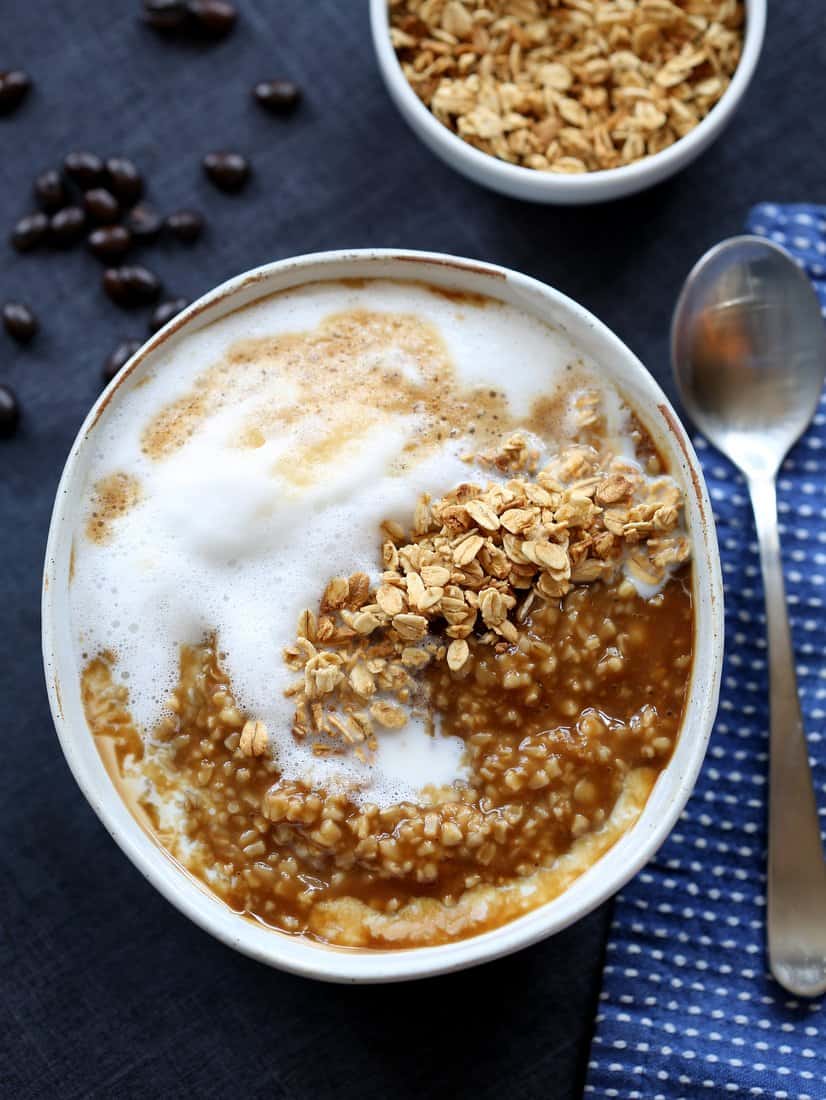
[66, 226]
[211, 18]
[131, 285]
[228, 171]
[121, 355]
[19, 321]
[164, 312]
[123, 180]
[9, 412]
[14, 84]
[101, 206]
[110, 242]
[186, 225]
[30, 232]
[50, 191]
[85, 169]
[144, 222]
[165, 15]
[277, 96]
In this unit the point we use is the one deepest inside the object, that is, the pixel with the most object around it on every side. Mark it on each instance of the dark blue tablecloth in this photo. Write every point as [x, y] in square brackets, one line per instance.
[104, 989]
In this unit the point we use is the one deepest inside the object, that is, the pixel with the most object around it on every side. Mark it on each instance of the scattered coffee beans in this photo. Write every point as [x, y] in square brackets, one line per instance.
[102, 199]
[9, 411]
[121, 355]
[14, 84]
[50, 191]
[85, 169]
[110, 242]
[144, 222]
[186, 225]
[164, 312]
[228, 171]
[101, 206]
[30, 232]
[66, 226]
[280, 97]
[19, 321]
[123, 180]
[131, 285]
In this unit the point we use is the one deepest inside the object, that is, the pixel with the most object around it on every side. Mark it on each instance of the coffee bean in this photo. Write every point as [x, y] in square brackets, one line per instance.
[30, 232]
[186, 225]
[228, 171]
[165, 15]
[101, 206]
[131, 285]
[144, 222]
[119, 357]
[195, 18]
[164, 312]
[50, 191]
[9, 412]
[66, 226]
[19, 321]
[85, 169]
[14, 84]
[124, 180]
[277, 96]
[211, 18]
[110, 242]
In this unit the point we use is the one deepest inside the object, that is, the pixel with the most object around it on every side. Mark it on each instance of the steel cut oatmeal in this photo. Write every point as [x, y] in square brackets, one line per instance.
[383, 606]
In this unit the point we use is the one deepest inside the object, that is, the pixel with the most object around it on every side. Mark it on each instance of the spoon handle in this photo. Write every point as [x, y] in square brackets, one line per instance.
[796, 872]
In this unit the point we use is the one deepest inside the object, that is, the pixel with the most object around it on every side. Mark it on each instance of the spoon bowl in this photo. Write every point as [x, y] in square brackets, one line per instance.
[749, 351]
[749, 356]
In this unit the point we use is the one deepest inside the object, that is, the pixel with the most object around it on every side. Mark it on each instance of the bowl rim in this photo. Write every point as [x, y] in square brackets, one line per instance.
[297, 954]
[580, 187]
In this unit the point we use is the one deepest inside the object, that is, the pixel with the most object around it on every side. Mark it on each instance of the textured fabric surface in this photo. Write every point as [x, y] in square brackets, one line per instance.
[104, 989]
[688, 1005]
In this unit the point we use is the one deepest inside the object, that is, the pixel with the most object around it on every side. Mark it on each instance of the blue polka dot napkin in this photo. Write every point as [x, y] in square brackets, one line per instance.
[688, 1008]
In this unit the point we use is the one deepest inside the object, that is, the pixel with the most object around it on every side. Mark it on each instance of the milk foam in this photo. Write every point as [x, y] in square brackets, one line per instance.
[229, 539]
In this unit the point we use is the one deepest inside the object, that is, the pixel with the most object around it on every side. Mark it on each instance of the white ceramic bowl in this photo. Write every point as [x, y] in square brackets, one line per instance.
[564, 190]
[674, 784]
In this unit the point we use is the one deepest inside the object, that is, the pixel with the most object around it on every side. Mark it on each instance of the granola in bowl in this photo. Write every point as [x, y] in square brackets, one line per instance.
[569, 86]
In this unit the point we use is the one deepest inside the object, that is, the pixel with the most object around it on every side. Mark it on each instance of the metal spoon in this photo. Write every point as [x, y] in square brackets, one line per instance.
[748, 348]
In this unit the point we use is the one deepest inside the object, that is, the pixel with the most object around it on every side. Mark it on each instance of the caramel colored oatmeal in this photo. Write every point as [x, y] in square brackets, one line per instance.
[563, 733]
[505, 615]
[568, 85]
[464, 593]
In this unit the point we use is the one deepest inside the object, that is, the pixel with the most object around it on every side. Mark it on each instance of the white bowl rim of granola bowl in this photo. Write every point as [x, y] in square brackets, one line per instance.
[547, 187]
[603, 878]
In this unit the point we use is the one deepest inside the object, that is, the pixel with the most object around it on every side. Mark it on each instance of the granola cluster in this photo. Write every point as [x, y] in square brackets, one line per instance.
[568, 85]
[476, 562]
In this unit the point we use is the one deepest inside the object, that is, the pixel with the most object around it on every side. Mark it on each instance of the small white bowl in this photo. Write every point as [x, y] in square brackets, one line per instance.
[549, 187]
[616, 867]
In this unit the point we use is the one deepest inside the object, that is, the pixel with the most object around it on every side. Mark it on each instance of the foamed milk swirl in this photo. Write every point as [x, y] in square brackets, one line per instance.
[259, 457]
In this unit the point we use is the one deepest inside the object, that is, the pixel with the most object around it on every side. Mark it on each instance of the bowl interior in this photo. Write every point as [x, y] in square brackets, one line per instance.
[673, 786]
